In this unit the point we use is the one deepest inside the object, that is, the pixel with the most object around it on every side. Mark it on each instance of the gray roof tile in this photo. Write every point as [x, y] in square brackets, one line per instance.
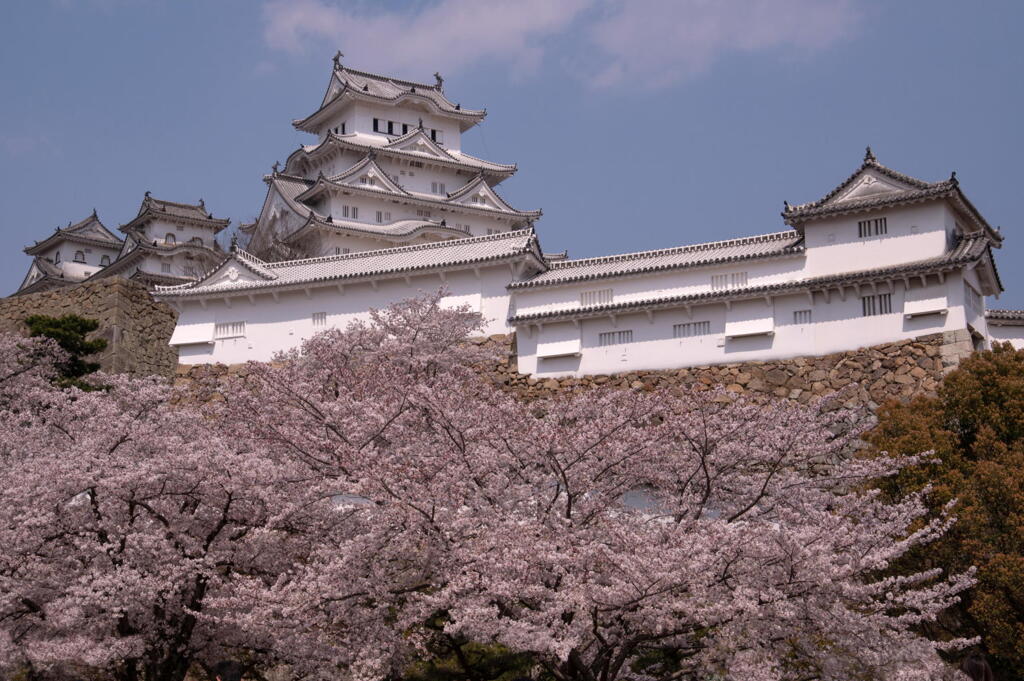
[774, 245]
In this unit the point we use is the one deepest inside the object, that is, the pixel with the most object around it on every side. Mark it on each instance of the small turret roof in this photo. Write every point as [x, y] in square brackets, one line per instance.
[873, 186]
[89, 231]
[194, 213]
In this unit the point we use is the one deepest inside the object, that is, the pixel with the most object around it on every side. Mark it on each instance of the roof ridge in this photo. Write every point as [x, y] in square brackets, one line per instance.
[397, 81]
[405, 249]
[708, 245]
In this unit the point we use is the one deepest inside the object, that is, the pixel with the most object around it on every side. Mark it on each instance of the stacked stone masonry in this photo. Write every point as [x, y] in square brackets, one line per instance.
[870, 376]
[135, 326]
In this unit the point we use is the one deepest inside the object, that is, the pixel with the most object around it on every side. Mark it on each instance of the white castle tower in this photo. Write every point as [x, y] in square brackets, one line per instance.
[387, 169]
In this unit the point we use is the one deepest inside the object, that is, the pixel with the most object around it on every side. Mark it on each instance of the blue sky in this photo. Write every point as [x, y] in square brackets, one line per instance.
[636, 125]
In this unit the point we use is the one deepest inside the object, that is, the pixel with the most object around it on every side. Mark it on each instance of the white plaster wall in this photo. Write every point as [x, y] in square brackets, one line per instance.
[836, 325]
[75, 270]
[914, 233]
[359, 118]
[1011, 334]
[157, 230]
[683, 282]
[274, 326]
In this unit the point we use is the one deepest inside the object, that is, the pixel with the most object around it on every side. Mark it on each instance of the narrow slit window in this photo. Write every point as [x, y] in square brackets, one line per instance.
[607, 338]
[801, 316]
[602, 296]
[875, 227]
[319, 320]
[872, 306]
[228, 330]
[691, 329]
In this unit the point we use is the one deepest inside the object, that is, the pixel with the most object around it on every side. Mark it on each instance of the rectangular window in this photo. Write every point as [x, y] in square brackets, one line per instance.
[690, 329]
[391, 127]
[801, 316]
[355, 212]
[342, 128]
[415, 164]
[405, 128]
[346, 251]
[228, 330]
[380, 216]
[722, 282]
[190, 271]
[615, 337]
[876, 227]
[876, 305]
[974, 301]
[601, 296]
[437, 188]
[376, 125]
[319, 319]
[423, 213]
[165, 267]
[344, 211]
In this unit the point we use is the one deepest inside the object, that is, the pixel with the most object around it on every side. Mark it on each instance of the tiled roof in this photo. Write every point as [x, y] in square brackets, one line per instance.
[912, 190]
[366, 143]
[322, 183]
[374, 87]
[1005, 317]
[369, 264]
[399, 230]
[87, 231]
[967, 250]
[774, 245]
[170, 209]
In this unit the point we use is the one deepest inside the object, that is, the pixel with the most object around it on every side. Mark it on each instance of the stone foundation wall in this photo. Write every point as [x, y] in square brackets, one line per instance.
[873, 375]
[135, 326]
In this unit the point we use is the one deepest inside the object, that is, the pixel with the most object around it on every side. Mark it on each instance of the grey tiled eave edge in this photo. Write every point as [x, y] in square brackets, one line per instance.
[625, 271]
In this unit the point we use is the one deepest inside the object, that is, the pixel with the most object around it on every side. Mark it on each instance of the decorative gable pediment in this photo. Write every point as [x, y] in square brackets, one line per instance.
[478, 194]
[418, 142]
[868, 184]
[232, 273]
[366, 174]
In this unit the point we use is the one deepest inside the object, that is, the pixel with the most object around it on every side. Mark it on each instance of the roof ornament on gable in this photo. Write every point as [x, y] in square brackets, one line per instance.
[869, 156]
[274, 168]
[337, 60]
[234, 243]
[94, 213]
[440, 81]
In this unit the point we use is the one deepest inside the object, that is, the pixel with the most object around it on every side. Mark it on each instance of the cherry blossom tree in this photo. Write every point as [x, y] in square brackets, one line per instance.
[608, 534]
[123, 518]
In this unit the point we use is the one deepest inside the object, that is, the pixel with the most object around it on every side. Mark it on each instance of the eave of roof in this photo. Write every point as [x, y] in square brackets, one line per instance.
[528, 248]
[1005, 317]
[63, 235]
[398, 230]
[323, 183]
[561, 272]
[969, 250]
[195, 214]
[499, 170]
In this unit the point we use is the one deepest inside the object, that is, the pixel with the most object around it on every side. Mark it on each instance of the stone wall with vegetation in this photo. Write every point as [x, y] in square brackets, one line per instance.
[135, 326]
[871, 375]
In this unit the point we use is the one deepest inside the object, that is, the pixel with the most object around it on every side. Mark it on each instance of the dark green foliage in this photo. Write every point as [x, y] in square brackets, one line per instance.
[69, 332]
[975, 427]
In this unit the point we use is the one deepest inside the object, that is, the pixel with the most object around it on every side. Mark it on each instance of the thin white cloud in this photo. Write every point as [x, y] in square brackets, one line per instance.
[27, 144]
[449, 35]
[655, 43]
[636, 43]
